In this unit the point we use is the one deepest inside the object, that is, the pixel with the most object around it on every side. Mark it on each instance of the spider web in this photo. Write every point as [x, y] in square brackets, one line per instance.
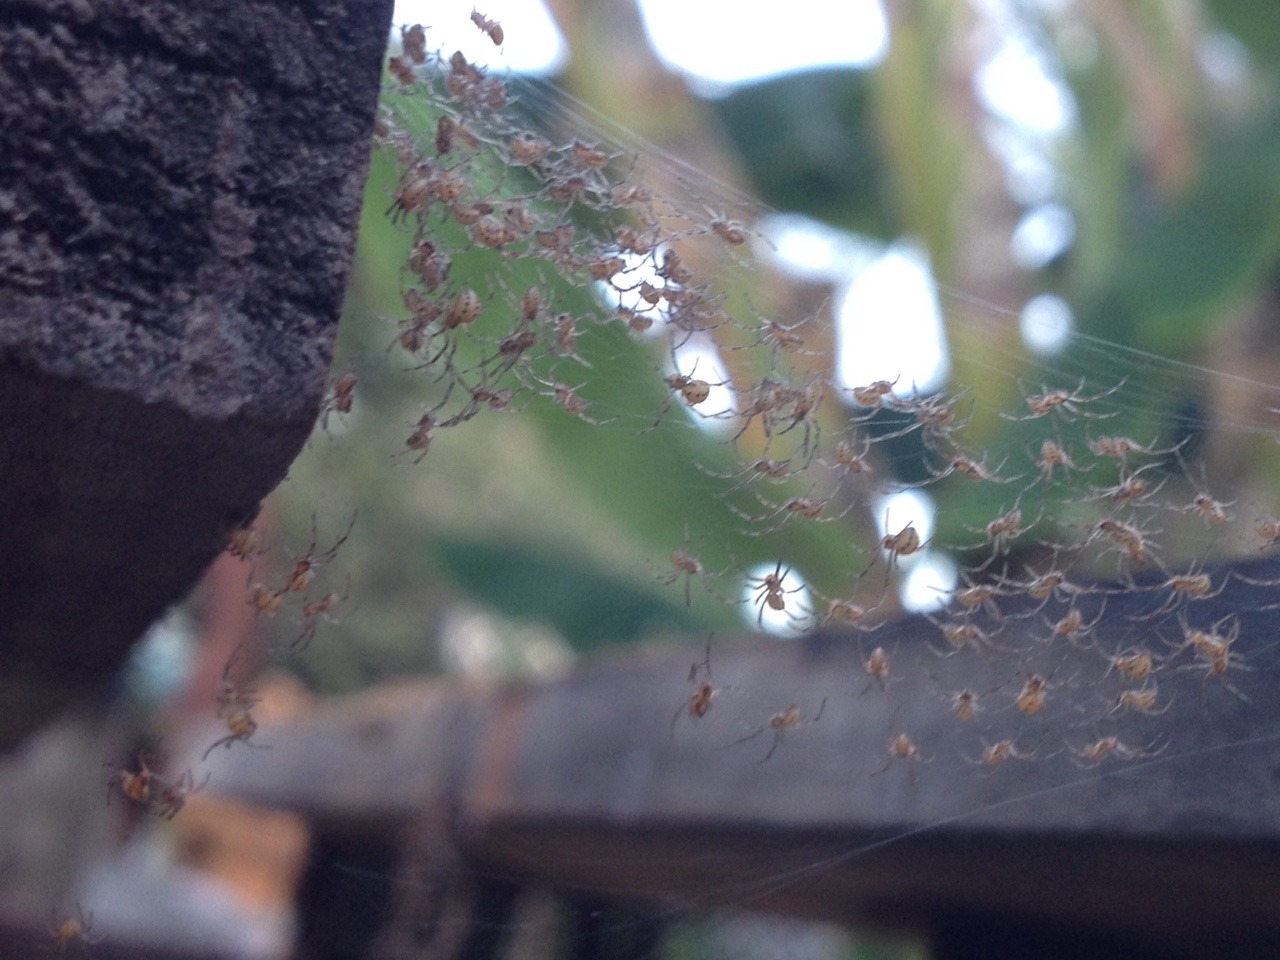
[1095, 464]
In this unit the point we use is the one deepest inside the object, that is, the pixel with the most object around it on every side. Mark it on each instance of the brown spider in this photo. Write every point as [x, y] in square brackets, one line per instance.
[67, 931]
[779, 723]
[699, 702]
[770, 591]
[1065, 402]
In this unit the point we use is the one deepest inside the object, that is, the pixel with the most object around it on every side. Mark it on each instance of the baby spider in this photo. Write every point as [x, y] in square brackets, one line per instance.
[245, 542]
[692, 390]
[1001, 532]
[1031, 697]
[67, 931]
[567, 398]
[1127, 538]
[683, 565]
[135, 785]
[339, 398]
[490, 28]
[873, 395]
[313, 612]
[304, 567]
[1131, 488]
[901, 544]
[787, 512]
[1119, 448]
[959, 634]
[1135, 663]
[240, 727]
[1072, 624]
[974, 470]
[780, 722]
[1138, 700]
[977, 596]
[1268, 528]
[902, 747]
[1213, 650]
[699, 702]
[1094, 753]
[847, 613]
[1052, 456]
[1210, 510]
[265, 600]
[848, 460]
[1183, 588]
[994, 754]
[1064, 402]
[172, 797]
[877, 668]
[762, 468]
[964, 704]
[770, 591]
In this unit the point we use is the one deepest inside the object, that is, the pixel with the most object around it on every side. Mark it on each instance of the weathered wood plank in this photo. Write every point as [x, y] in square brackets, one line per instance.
[584, 781]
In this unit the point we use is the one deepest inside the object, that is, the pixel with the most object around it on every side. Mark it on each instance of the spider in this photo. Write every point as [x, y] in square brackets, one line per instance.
[1127, 538]
[1195, 584]
[873, 396]
[1001, 532]
[977, 596]
[304, 567]
[1065, 402]
[135, 785]
[1132, 488]
[1138, 700]
[567, 397]
[1119, 448]
[68, 930]
[1052, 456]
[1072, 624]
[994, 754]
[770, 591]
[692, 390]
[1214, 651]
[172, 797]
[316, 610]
[339, 398]
[848, 460]
[235, 704]
[961, 633]
[876, 666]
[245, 542]
[1268, 528]
[904, 543]
[699, 702]
[964, 704]
[1033, 693]
[1094, 753]
[762, 468]
[806, 507]
[779, 723]
[490, 28]
[1215, 513]
[974, 470]
[240, 726]
[901, 747]
[683, 564]
[1135, 663]
[848, 613]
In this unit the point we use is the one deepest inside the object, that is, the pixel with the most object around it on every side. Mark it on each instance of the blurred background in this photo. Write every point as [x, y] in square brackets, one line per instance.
[984, 198]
